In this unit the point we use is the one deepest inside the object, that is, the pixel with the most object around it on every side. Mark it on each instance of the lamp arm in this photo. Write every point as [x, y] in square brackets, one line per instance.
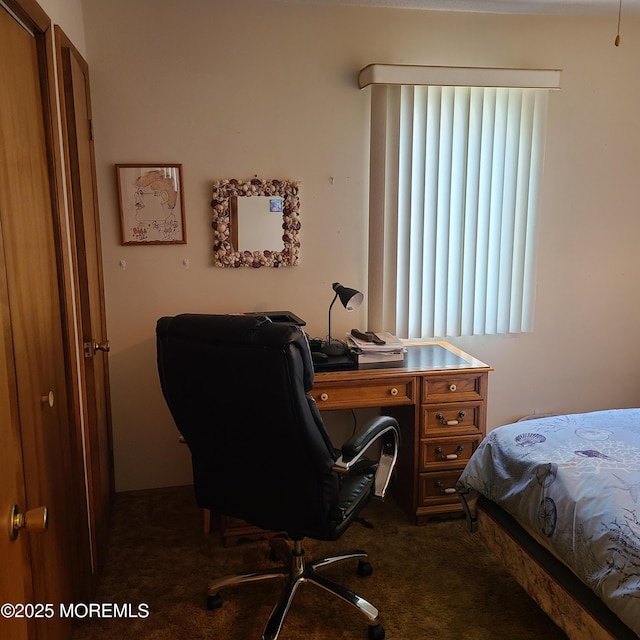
[331, 305]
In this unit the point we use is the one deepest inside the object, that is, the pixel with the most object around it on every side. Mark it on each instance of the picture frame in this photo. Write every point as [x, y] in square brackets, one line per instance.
[151, 201]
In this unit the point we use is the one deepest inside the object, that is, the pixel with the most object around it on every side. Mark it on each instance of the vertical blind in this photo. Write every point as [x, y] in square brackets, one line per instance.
[455, 178]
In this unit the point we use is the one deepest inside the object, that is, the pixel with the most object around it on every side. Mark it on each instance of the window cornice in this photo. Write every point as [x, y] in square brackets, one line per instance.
[406, 74]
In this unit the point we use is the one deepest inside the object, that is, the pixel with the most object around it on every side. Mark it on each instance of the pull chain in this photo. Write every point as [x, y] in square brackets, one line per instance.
[617, 41]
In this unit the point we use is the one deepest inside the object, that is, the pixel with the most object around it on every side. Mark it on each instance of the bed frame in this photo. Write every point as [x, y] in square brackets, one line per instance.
[556, 589]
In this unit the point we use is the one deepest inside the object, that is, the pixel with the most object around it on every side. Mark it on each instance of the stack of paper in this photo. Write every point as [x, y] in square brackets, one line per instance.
[391, 351]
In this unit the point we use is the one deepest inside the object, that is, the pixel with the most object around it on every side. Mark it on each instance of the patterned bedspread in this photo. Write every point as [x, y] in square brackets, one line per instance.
[573, 483]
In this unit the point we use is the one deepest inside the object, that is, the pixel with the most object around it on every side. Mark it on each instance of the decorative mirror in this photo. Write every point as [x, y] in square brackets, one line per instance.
[256, 223]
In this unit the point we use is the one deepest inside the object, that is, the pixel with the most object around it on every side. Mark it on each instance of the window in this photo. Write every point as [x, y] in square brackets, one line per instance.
[456, 166]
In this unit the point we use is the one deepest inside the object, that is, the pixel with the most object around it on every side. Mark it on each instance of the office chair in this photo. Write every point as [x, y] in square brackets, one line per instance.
[237, 387]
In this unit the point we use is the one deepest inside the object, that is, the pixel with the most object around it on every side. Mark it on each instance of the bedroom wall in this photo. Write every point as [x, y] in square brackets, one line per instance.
[233, 89]
[67, 14]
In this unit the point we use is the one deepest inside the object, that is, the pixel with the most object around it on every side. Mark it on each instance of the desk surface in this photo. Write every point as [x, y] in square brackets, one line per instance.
[419, 358]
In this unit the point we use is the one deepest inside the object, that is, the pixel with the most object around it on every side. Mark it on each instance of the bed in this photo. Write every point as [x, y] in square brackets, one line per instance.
[556, 499]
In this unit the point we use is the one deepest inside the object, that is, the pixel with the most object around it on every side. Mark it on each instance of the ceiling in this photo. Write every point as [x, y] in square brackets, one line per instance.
[540, 7]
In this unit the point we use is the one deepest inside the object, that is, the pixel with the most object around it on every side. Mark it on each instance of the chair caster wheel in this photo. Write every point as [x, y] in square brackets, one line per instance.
[365, 569]
[376, 632]
[214, 602]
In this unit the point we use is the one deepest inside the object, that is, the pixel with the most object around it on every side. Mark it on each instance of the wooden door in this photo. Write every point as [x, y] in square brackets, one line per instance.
[15, 584]
[34, 352]
[81, 182]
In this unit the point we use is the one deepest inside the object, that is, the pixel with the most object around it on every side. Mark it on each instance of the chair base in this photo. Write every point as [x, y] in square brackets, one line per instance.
[295, 571]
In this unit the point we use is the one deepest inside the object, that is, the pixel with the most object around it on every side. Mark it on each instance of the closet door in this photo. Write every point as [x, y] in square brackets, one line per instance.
[73, 72]
[34, 350]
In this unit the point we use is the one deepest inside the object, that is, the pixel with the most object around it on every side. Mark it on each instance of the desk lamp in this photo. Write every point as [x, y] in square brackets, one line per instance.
[351, 299]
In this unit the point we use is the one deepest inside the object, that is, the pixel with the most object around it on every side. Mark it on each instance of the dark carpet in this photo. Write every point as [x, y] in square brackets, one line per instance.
[431, 582]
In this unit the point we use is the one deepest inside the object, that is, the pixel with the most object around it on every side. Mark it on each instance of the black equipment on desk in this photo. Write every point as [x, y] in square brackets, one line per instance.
[323, 362]
[286, 317]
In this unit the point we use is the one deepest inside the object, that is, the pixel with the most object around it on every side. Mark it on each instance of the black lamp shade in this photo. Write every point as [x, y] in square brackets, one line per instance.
[351, 298]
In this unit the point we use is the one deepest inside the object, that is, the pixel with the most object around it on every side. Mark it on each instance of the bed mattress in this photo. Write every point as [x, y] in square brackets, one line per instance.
[572, 482]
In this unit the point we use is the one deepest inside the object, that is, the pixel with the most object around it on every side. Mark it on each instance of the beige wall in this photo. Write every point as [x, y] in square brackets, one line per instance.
[67, 14]
[232, 91]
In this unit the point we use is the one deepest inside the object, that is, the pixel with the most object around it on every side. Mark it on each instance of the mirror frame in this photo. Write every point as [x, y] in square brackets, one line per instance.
[225, 254]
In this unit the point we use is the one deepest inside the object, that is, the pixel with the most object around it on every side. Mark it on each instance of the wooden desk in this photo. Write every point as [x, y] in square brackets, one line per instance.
[438, 394]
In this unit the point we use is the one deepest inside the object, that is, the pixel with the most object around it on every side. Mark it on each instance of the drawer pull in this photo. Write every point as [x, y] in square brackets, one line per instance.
[450, 423]
[453, 387]
[450, 456]
[324, 397]
[448, 490]
[393, 391]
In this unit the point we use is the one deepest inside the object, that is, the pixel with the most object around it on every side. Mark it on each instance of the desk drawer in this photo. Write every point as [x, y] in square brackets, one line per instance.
[454, 419]
[368, 393]
[447, 453]
[455, 387]
[438, 488]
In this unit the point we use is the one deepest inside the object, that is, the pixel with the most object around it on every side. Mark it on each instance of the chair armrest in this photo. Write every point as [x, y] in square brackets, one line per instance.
[381, 427]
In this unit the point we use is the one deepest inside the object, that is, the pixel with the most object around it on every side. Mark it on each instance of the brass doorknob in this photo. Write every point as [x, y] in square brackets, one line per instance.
[33, 520]
[101, 346]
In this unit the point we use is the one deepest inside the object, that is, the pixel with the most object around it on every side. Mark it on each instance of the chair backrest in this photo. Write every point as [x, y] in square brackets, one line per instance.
[237, 387]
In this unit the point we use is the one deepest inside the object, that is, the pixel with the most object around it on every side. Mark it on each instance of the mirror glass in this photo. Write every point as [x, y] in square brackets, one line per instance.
[256, 223]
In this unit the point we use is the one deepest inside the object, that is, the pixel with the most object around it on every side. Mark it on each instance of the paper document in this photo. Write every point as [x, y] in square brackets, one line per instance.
[391, 344]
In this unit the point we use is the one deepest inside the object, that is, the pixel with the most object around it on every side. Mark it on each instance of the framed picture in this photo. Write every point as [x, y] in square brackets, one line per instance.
[151, 203]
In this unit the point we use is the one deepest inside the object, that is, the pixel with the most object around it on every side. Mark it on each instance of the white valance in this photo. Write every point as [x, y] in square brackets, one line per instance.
[443, 76]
